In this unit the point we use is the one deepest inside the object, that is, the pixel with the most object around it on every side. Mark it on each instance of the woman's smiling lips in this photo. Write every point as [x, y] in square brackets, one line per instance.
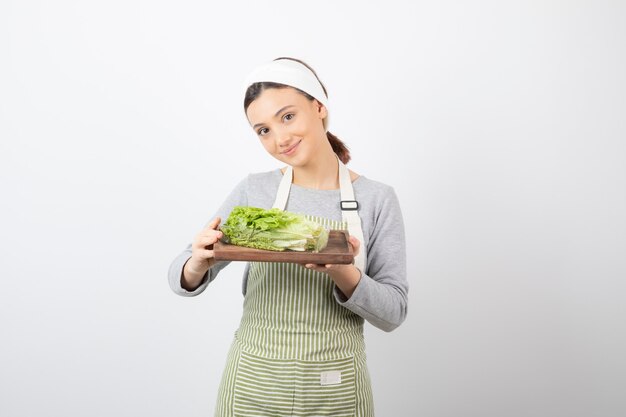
[289, 151]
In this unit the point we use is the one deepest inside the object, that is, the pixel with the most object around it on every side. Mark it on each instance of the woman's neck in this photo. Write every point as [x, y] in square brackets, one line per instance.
[321, 173]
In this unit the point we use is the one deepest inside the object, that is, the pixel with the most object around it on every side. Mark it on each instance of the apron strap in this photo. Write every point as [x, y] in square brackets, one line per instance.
[349, 207]
[283, 189]
[350, 214]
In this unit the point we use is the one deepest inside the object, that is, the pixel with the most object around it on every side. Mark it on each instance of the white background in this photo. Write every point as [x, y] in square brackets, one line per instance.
[501, 125]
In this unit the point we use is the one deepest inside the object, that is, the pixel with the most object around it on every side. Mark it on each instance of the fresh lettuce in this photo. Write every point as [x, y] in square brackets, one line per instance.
[273, 229]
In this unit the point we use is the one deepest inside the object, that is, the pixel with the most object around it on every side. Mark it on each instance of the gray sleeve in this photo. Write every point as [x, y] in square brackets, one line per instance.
[381, 296]
[238, 197]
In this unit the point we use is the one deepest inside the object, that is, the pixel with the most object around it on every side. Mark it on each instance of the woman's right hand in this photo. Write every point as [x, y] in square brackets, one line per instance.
[201, 254]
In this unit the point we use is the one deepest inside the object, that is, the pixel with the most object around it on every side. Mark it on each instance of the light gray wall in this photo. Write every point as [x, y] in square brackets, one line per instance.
[500, 124]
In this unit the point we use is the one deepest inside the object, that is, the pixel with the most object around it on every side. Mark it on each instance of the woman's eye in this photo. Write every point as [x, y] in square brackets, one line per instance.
[288, 116]
[262, 131]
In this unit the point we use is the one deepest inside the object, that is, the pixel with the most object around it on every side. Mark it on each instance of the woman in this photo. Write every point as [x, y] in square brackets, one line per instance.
[299, 349]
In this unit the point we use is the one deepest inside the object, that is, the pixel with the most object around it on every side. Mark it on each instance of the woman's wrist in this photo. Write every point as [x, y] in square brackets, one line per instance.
[193, 273]
[346, 278]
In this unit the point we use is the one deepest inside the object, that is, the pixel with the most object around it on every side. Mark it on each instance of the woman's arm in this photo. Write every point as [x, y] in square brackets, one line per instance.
[201, 256]
[194, 268]
[381, 294]
[346, 277]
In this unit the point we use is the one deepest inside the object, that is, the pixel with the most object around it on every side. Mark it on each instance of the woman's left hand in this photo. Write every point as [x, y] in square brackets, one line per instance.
[346, 276]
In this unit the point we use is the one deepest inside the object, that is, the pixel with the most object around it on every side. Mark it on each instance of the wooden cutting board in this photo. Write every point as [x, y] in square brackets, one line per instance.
[338, 251]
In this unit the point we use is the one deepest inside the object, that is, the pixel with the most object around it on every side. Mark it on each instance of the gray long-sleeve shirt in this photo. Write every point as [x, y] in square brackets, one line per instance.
[381, 295]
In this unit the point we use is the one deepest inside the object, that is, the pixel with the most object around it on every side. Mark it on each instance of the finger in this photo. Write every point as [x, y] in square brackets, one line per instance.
[210, 234]
[206, 240]
[318, 267]
[203, 254]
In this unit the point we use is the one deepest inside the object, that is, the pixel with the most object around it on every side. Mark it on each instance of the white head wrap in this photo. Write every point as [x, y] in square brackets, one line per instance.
[293, 74]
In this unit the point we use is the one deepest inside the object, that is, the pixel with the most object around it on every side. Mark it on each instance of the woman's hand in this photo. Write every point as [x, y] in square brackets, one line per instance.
[201, 255]
[346, 277]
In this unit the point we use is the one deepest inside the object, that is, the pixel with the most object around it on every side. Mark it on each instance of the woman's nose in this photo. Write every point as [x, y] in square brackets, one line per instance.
[283, 137]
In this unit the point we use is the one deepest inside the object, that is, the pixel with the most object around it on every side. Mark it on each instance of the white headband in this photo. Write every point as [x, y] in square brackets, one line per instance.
[293, 74]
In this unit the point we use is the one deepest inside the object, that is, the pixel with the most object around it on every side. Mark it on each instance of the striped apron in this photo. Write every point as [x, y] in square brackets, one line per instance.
[297, 352]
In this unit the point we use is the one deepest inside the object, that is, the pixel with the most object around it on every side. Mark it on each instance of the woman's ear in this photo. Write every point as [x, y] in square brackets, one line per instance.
[321, 110]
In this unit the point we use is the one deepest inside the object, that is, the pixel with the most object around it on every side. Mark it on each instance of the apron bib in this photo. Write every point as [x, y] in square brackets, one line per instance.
[297, 352]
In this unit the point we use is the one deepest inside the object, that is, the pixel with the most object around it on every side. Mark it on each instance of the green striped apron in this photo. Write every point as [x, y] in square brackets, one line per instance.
[297, 352]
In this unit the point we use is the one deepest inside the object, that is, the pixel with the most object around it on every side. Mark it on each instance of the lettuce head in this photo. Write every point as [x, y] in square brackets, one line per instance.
[273, 229]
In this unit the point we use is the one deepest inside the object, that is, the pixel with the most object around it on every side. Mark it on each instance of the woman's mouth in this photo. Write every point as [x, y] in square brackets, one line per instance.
[292, 149]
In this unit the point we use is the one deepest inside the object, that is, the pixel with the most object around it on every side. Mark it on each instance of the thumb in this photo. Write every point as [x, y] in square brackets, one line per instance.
[214, 223]
[355, 244]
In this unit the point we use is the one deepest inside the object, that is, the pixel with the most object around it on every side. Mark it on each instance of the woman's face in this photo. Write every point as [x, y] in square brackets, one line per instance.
[289, 125]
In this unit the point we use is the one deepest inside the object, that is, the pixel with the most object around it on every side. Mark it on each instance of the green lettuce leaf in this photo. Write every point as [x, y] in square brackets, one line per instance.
[273, 229]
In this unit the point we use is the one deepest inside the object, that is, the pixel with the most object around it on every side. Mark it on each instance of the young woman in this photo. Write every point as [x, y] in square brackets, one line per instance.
[299, 350]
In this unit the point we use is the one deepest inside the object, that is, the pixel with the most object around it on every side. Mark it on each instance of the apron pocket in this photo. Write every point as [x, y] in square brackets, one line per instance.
[325, 388]
[285, 387]
[264, 387]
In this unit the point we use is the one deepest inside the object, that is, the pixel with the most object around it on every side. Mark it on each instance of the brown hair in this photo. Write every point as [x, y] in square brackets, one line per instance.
[254, 91]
